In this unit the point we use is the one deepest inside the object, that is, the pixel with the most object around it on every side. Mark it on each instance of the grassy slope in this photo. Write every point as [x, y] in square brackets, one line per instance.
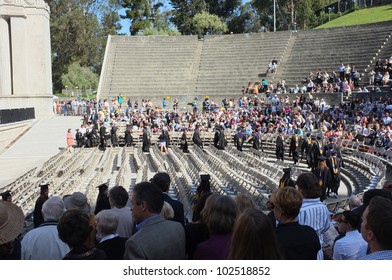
[370, 15]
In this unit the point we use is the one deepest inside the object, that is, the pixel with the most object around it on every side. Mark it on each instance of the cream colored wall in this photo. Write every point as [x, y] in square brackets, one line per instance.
[31, 81]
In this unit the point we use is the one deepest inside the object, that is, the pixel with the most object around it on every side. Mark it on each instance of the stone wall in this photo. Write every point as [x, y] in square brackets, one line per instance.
[25, 56]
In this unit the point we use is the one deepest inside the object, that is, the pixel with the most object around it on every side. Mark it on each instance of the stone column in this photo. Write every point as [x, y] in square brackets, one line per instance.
[5, 58]
[19, 66]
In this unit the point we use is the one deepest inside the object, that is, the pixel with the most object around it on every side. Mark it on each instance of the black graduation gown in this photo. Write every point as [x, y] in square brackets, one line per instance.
[257, 143]
[146, 142]
[295, 147]
[279, 147]
[128, 138]
[239, 139]
[197, 139]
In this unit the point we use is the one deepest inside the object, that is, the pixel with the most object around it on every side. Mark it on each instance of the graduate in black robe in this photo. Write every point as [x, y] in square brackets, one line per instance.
[279, 149]
[196, 137]
[128, 136]
[184, 142]
[145, 140]
[295, 146]
[102, 202]
[257, 142]
[239, 139]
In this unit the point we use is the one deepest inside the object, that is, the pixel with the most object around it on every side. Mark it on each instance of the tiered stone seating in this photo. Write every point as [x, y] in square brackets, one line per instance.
[151, 65]
[327, 49]
[229, 62]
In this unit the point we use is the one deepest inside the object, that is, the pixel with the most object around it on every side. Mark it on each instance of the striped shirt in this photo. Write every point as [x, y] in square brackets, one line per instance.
[379, 255]
[315, 214]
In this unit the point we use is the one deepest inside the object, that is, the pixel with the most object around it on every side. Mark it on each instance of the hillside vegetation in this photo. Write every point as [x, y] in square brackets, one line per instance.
[363, 16]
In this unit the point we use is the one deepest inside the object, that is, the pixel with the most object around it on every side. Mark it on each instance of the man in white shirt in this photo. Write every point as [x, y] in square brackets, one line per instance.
[352, 246]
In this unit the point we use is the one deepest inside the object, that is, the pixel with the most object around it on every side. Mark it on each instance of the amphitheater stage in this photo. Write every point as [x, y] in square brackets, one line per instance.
[29, 144]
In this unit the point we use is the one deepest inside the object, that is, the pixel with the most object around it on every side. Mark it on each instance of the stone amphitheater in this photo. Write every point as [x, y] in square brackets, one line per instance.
[184, 68]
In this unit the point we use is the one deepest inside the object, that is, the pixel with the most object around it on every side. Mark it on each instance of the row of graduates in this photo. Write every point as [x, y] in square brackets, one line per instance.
[325, 160]
[95, 137]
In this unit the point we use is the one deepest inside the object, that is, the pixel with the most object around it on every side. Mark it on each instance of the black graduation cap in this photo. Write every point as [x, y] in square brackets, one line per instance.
[44, 186]
[103, 187]
[319, 136]
[287, 169]
[205, 177]
[5, 195]
[321, 158]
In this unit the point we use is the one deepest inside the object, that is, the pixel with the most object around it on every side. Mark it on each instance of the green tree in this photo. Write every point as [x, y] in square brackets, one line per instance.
[80, 77]
[246, 20]
[205, 22]
[79, 32]
[183, 13]
[224, 9]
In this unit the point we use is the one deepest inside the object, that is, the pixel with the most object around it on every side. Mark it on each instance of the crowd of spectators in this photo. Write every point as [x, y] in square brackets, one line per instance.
[226, 227]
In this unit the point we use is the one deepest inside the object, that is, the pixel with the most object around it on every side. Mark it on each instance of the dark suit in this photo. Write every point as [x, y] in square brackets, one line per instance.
[177, 206]
[114, 247]
[158, 239]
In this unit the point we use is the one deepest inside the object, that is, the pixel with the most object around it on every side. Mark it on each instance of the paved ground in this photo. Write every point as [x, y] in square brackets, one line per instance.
[29, 144]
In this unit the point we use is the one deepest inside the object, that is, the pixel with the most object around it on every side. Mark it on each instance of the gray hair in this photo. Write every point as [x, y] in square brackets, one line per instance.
[53, 209]
[354, 201]
[107, 222]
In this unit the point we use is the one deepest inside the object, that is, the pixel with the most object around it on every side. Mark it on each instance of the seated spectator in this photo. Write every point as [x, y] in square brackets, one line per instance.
[155, 238]
[253, 237]
[296, 242]
[219, 214]
[376, 229]
[351, 246]
[43, 242]
[11, 226]
[109, 241]
[74, 229]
